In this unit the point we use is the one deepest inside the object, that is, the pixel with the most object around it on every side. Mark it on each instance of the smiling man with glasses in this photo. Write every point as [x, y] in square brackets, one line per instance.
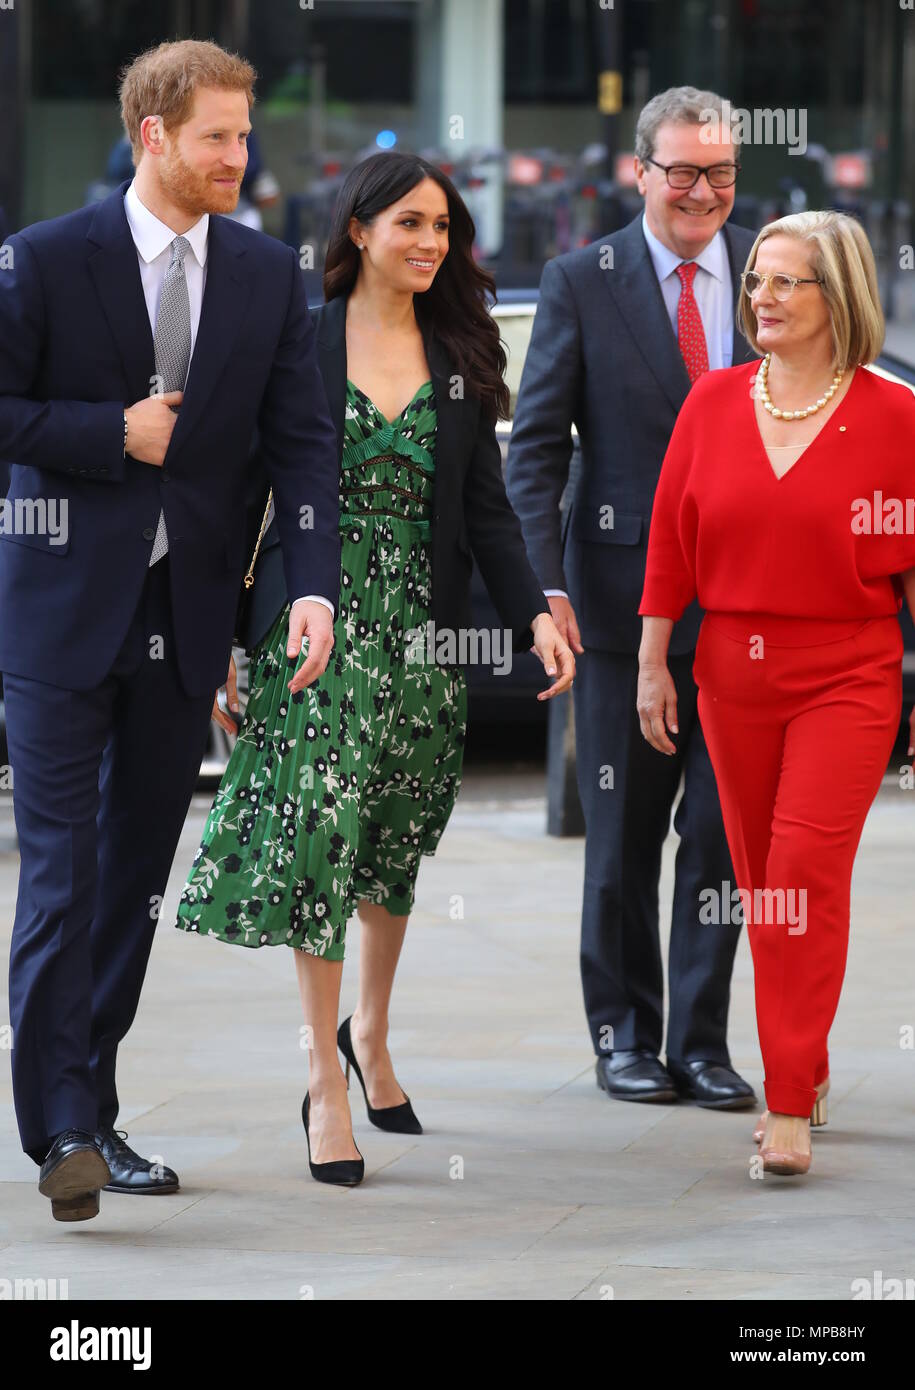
[618, 341]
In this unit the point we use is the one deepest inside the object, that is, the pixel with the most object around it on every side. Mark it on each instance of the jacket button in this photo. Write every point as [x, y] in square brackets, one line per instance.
[149, 534]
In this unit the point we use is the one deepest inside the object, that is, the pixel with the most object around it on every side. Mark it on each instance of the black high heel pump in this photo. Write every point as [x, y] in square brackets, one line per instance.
[395, 1119]
[345, 1172]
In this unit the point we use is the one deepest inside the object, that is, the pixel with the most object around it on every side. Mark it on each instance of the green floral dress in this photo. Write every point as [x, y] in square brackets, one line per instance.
[333, 794]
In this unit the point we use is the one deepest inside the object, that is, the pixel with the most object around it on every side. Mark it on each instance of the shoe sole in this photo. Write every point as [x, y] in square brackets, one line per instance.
[160, 1190]
[74, 1186]
[736, 1103]
[784, 1170]
[334, 1182]
[655, 1097]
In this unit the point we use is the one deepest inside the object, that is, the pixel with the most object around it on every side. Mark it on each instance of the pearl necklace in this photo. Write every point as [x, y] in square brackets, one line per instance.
[763, 389]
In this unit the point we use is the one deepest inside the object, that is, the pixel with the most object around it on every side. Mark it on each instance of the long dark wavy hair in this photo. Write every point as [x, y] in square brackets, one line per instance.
[454, 307]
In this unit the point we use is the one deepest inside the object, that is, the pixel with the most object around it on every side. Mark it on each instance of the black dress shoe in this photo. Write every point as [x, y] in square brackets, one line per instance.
[130, 1172]
[635, 1074]
[394, 1119]
[72, 1174]
[712, 1085]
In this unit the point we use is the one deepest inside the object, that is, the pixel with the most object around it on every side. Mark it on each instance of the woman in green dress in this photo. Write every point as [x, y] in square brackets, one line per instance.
[333, 794]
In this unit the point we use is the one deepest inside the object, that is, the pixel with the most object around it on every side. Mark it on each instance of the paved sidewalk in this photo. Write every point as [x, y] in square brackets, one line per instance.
[528, 1183]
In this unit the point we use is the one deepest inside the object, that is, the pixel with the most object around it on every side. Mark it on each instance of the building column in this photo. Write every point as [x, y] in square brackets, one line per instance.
[461, 91]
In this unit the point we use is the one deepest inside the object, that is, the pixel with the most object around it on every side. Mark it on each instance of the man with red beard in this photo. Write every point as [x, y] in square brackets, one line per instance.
[143, 342]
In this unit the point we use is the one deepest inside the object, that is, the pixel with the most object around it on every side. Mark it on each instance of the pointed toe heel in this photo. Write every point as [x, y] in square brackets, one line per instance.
[394, 1119]
[342, 1172]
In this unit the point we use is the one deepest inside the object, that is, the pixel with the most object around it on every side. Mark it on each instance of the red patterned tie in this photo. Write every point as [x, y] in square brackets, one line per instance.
[690, 333]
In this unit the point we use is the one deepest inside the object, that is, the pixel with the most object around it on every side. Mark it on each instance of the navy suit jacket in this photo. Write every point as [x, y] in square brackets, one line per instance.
[603, 355]
[75, 350]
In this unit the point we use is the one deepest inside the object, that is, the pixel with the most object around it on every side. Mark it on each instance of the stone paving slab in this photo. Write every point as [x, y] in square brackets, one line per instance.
[528, 1182]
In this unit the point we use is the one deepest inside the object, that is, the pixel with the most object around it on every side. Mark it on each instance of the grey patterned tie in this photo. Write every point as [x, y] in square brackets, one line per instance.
[172, 347]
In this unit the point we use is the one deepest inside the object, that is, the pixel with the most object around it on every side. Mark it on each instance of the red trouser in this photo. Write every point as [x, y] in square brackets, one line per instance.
[799, 737]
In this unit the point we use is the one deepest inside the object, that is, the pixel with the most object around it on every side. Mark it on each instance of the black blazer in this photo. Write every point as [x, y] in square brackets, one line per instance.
[471, 519]
[604, 356]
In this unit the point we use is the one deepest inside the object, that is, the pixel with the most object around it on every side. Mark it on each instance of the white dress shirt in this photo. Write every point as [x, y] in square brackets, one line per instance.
[714, 298]
[153, 240]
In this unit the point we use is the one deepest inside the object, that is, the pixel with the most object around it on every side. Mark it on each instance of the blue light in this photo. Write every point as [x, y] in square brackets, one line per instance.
[385, 139]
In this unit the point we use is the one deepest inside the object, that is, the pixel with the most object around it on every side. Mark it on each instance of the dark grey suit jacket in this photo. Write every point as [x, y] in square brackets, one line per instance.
[604, 356]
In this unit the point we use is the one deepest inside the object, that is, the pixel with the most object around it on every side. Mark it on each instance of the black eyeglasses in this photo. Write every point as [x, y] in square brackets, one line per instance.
[688, 175]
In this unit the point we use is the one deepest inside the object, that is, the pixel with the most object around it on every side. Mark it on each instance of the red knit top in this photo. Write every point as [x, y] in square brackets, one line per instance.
[825, 541]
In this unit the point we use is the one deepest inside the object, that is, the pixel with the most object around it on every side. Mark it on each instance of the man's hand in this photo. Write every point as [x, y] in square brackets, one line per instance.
[553, 651]
[315, 622]
[231, 688]
[566, 622]
[149, 427]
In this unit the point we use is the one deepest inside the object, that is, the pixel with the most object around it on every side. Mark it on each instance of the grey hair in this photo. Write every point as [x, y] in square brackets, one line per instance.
[681, 106]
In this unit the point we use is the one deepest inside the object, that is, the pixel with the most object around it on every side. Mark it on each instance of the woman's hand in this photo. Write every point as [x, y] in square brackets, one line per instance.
[656, 703]
[550, 648]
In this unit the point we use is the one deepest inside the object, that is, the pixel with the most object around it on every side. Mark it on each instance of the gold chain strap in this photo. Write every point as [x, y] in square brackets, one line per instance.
[249, 577]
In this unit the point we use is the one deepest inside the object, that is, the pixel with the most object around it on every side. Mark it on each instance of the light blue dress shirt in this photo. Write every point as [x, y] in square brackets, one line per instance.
[712, 288]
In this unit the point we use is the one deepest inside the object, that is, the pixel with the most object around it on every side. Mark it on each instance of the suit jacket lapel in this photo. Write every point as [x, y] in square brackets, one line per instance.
[452, 449]
[225, 302]
[742, 350]
[332, 360]
[115, 272]
[634, 286]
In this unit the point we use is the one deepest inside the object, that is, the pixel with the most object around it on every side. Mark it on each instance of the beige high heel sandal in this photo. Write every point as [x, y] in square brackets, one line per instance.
[787, 1162]
[818, 1116]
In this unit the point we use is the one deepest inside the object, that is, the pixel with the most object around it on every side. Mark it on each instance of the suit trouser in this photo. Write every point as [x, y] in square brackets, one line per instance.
[102, 780]
[626, 826]
[800, 738]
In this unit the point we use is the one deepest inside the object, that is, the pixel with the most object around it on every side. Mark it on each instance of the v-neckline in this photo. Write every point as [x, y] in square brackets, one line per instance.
[824, 427]
[390, 423]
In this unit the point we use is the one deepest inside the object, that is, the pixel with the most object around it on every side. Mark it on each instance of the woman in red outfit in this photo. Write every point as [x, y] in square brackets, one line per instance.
[786, 504]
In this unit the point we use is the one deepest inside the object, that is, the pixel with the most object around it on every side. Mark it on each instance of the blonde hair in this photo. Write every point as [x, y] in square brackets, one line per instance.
[163, 80]
[843, 261]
